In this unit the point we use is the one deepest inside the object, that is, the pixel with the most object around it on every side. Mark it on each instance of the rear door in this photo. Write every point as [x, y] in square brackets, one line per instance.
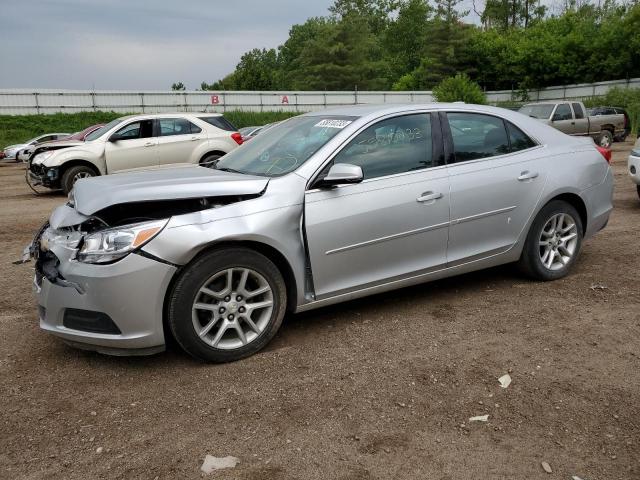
[136, 148]
[392, 225]
[496, 182]
[581, 122]
[177, 139]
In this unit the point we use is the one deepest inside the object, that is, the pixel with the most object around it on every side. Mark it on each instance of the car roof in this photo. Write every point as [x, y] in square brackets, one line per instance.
[170, 115]
[370, 111]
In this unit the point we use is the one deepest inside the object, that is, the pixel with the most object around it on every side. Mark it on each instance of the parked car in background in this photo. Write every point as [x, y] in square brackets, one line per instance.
[137, 142]
[633, 165]
[329, 206]
[614, 111]
[249, 132]
[11, 151]
[72, 140]
[571, 118]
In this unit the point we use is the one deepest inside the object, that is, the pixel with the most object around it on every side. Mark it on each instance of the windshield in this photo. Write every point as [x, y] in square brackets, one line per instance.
[538, 110]
[284, 147]
[102, 130]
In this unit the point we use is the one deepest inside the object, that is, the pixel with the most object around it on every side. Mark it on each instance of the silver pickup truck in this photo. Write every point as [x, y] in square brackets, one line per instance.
[572, 119]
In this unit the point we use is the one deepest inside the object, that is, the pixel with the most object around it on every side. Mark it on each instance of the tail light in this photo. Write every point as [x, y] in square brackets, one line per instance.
[605, 152]
[237, 138]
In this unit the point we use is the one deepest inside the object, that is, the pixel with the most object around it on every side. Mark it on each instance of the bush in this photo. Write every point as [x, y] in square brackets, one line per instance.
[459, 89]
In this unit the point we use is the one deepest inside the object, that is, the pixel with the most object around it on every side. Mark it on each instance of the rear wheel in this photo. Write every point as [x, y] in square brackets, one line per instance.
[605, 139]
[73, 174]
[227, 305]
[210, 160]
[553, 242]
[638, 190]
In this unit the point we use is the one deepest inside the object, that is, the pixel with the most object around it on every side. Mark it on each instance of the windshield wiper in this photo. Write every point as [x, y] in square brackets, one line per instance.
[230, 170]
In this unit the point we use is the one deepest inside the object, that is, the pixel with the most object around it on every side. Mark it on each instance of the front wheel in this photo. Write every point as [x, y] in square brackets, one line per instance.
[553, 242]
[227, 305]
[73, 174]
[638, 190]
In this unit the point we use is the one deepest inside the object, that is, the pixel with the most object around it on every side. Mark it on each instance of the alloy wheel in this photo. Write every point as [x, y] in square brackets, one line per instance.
[80, 175]
[232, 308]
[558, 241]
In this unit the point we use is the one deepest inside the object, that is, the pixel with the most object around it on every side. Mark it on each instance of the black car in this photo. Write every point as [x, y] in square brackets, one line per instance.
[613, 111]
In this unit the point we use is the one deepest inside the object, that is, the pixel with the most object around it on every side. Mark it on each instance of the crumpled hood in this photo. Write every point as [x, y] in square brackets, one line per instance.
[94, 194]
[60, 143]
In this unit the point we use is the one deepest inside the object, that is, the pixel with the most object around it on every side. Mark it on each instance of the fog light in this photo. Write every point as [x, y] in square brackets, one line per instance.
[632, 169]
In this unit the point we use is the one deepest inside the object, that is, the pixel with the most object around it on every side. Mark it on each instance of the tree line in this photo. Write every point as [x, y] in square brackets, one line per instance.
[415, 44]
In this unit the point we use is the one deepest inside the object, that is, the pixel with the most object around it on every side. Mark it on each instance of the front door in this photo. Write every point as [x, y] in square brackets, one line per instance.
[496, 182]
[177, 139]
[392, 225]
[135, 148]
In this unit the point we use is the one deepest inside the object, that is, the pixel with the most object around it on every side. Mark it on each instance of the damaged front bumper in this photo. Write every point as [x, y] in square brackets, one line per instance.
[114, 309]
[45, 176]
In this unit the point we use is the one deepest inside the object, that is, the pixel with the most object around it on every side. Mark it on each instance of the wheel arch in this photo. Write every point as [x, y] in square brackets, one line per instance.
[211, 152]
[576, 202]
[272, 253]
[608, 127]
[76, 163]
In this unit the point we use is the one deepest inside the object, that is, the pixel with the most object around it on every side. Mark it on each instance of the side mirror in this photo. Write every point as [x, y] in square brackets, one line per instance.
[115, 137]
[342, 173]
[556, 117]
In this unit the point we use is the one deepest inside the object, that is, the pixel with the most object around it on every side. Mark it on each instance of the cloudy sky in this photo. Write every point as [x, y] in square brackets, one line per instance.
[137, 44]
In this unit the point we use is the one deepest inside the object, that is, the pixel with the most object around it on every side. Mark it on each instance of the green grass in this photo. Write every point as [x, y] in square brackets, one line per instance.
[19, 128]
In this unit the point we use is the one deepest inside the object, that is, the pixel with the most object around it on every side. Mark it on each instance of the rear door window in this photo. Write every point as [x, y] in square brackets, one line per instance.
[176, 126]
[477, 135]
[577, 110]
[518, 139]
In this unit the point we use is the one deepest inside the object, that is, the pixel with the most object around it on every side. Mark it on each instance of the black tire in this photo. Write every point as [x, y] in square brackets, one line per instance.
[210, 160]
[530, 261]
[73, 174]
[187, 290]
[605, 139]
[638, 190]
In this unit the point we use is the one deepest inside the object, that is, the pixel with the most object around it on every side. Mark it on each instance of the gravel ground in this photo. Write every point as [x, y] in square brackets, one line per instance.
[377, 388]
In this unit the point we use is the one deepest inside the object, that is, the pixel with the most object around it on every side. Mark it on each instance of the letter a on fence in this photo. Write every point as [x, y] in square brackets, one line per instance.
[285, 99]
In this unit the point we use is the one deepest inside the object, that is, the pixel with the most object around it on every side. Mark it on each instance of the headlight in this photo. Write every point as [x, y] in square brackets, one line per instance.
[41, 157]
[115, 243]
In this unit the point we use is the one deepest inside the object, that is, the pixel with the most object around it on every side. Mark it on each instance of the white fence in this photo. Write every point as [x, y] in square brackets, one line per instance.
[23, 101]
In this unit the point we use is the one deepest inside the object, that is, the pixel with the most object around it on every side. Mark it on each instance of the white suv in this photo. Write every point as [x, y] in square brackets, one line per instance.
[137, 142]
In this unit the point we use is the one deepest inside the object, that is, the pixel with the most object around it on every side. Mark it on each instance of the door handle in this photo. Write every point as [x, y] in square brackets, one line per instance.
[527, 175]
[148, 144]
[193, 139]
[429, 196]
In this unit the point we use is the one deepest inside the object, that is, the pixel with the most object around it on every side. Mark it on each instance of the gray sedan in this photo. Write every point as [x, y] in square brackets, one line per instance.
[330, 206]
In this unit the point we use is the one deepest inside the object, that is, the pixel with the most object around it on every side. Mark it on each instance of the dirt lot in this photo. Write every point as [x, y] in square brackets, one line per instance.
[377, 388]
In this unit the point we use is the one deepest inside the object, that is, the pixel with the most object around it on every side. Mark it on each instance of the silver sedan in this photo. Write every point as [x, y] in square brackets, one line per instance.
[326, 207]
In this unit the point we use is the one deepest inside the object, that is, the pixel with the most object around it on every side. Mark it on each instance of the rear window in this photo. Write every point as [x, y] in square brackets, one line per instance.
[220, 122]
